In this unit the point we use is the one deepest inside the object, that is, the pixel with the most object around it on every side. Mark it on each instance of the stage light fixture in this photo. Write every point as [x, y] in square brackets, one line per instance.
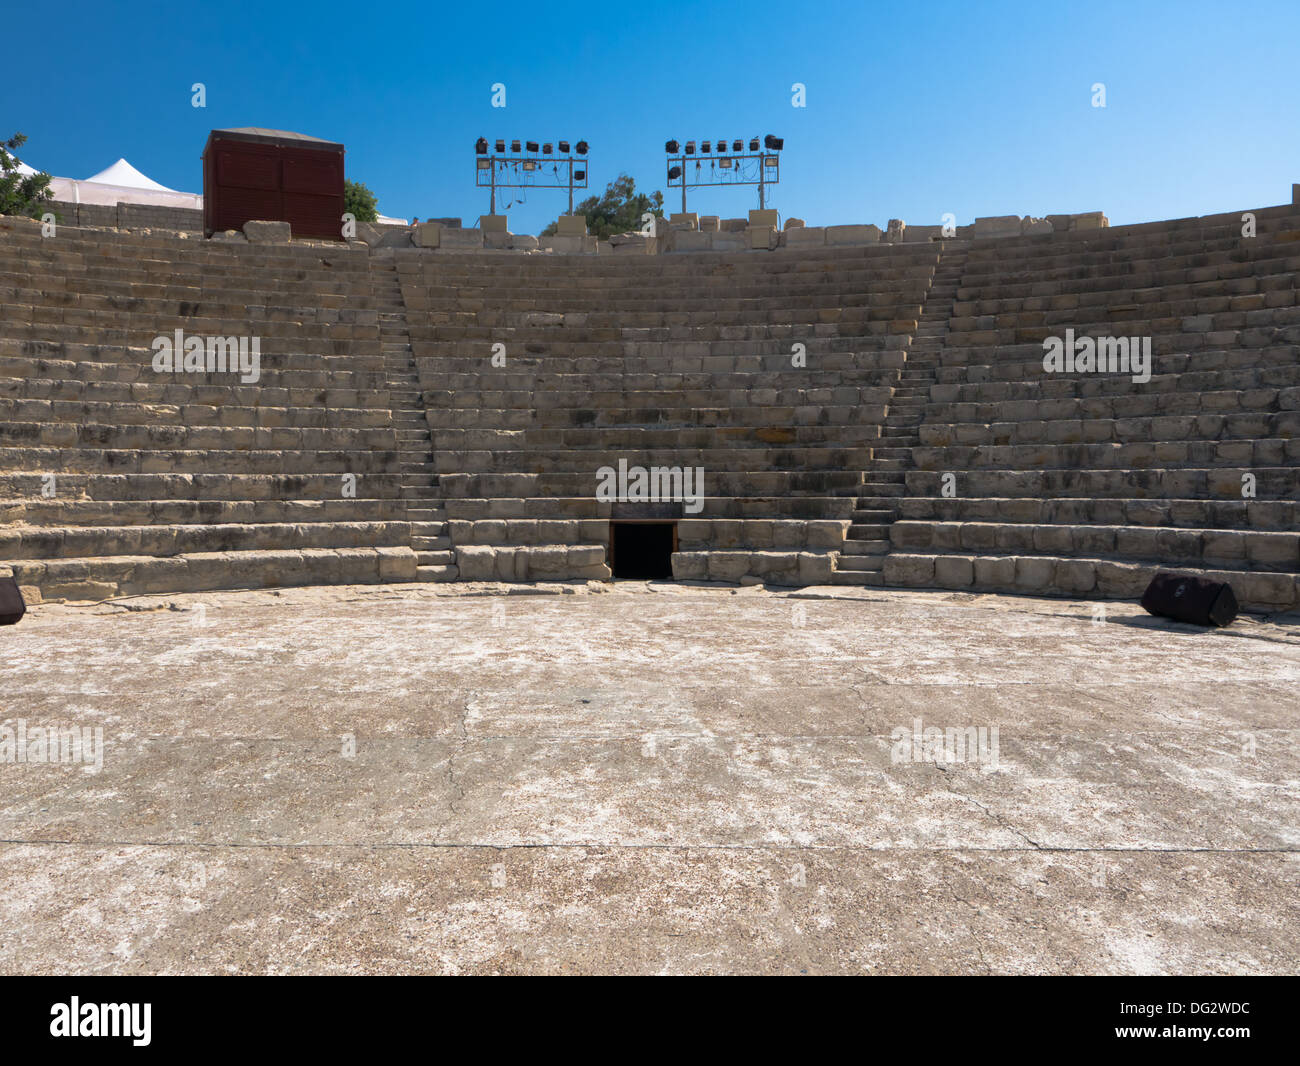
[578, 175]
[672, 147]
[514, 146]
[770, 161]
[705, 146]
[725, 162]
[753, 144]
[480, 146]
[737, 146]
[547, 149]
[690, 147]
[674, 172]
[564, 147]
[530, 164]
[581, 146]
[484, 164]
[774, 143]
[531, 145]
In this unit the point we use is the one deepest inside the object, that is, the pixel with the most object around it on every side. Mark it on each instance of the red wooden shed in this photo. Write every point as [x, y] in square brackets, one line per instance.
[253, 173]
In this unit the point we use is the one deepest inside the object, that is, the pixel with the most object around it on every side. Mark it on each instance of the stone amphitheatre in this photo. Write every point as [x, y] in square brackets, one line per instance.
[640, 733]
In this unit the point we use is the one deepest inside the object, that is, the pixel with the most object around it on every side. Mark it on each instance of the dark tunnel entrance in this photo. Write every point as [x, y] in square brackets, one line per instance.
[642, 549]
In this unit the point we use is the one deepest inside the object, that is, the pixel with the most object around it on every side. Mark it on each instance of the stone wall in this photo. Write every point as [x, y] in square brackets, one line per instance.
[129, 216]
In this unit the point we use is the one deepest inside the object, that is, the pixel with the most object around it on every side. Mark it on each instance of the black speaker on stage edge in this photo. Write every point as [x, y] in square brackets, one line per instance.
[1189, 598]
[12, 607]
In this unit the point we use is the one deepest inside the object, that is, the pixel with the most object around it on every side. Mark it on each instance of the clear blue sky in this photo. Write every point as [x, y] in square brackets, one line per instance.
[913, 109]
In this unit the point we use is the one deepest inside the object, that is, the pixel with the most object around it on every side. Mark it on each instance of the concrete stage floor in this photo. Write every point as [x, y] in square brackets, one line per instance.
[648, 778]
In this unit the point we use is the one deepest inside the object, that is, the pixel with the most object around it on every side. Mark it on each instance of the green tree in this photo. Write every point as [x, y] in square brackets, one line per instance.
[21, 194]
[619, 210]
[360, 201]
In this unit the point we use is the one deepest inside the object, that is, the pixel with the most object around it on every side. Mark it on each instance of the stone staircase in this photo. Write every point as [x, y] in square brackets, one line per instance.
[867, 542]
[429, 539]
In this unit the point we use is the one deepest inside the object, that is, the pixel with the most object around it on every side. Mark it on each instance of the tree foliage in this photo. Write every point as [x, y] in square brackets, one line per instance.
[360, 201]
[618, 210]
[21, 194]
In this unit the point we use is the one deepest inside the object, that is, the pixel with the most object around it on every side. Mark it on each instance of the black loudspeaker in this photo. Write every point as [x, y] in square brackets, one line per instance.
[12, 607]
[1186, 598]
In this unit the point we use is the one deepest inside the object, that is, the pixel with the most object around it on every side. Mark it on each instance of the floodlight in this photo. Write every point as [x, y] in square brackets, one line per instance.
[547, 149]
[531, 145]
[530, 164]
[501, 146]
[705, 145]
[484, 164]
[480, 146]
[737, 146]
[564, 147]
[774, 143]
[770, 161]
[672, 147]
[514, 146]
[674, 172]
[690, 147]
[578, 175]
[725, 162]
[753, 144]
[581, 146]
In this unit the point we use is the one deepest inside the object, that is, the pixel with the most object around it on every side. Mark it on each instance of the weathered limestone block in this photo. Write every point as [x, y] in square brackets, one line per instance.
[260, 232]
[734, 225]
[493, 223]
[691, 241]
[825, 533]
[523, 242]
[762, 236]
[852, 234]
[396, 564]
[1075, 575]
[1030, 227]
[909, 571]
[728, 566]
[954, 571]
[998, 226]
[426, 234]
[1089, 220]
[895, 230]
[1122, 580]
[498, 240]
[815, 568]
[764, 217]
[571, 226]
[586, 555]
[548, 560]
[690, 566]
[726, 242]
[476, 562]
[569, 245]
[689, 221]
[995, 571]
[921, 234]
[793, 223]
[460, 239]
[230, 236]
[1033, 572]
[709, 223]
[631, 243]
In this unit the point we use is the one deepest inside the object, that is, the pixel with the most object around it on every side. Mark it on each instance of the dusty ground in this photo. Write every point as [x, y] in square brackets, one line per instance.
[648, 778]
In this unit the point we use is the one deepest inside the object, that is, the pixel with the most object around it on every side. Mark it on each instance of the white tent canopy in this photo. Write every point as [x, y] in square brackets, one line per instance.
[121, 183]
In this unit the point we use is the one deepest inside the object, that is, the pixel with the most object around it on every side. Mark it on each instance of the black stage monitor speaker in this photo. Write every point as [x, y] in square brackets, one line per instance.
[1187, 598]
[12, 607]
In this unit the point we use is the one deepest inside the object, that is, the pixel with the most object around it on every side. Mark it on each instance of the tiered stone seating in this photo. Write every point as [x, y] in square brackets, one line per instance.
[1086, 483]
[181, 481]
[659, 361]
